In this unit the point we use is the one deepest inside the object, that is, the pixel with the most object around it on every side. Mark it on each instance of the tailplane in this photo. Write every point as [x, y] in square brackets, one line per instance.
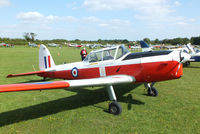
[45, 58]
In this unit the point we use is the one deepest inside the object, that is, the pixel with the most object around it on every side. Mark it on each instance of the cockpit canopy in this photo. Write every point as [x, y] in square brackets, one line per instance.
[112, 53]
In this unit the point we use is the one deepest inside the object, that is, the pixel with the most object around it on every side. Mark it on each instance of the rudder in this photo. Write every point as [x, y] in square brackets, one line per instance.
[145, 47]
[45, 58]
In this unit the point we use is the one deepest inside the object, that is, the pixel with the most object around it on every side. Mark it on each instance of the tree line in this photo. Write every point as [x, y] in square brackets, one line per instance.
[31, 37]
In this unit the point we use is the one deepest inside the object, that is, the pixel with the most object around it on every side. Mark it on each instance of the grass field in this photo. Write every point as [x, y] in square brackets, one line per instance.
[84, 110]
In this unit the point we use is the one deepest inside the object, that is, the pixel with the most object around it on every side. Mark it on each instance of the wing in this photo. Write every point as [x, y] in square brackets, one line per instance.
[109, 80]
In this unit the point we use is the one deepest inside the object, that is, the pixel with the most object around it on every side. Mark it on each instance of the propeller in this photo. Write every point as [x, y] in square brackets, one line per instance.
[184, 57]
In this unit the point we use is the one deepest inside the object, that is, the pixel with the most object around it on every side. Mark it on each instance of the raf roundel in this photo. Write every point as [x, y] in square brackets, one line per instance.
[75, 72]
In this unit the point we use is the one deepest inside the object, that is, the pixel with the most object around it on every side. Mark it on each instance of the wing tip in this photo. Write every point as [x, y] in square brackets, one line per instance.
[9, 75]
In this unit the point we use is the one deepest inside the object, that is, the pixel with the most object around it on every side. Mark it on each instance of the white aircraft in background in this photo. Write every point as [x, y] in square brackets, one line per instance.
[194, 53]
[53, 45]
[183, 51]
[32, 44]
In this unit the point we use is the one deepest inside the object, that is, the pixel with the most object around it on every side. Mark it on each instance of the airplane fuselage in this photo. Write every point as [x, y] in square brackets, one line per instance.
[144, 67]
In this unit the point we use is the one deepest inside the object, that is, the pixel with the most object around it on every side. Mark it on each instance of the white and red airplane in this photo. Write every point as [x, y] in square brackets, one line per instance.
[105, 67]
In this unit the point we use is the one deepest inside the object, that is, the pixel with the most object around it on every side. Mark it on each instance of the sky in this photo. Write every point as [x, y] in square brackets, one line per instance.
[100, 19]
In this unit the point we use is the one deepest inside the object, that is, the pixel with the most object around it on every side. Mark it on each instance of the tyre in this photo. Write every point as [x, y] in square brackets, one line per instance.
[115, 108]
[152, 92]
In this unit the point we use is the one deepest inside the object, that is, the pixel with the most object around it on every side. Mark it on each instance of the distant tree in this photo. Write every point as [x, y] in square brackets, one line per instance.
[195, 40]
[27, 36]
[99, 40]
[166, 41]
[186, 40]
[147, 40]
[156, 41]
[125, 41]
[33, 35]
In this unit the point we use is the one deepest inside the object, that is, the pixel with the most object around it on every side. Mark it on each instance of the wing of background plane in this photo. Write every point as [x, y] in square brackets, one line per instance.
[109, 80]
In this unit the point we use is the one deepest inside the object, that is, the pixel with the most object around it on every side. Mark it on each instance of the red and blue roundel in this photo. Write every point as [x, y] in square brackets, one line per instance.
[75, 72]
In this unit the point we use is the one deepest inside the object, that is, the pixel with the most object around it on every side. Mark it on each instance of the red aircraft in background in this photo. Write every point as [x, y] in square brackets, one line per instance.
[105, 67]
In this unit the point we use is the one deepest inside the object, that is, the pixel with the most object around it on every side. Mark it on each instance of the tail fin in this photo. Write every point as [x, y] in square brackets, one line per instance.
[188, 46]
[145, 47]
[45, 58]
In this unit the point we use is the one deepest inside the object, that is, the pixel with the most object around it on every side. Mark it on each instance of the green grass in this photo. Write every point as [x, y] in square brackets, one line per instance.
[84, 110]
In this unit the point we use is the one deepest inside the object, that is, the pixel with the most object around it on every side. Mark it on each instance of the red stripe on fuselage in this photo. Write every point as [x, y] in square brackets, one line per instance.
[67, 74]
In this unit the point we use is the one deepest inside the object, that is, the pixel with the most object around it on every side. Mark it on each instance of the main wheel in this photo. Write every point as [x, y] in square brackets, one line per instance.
[152, 92]
[115, 108]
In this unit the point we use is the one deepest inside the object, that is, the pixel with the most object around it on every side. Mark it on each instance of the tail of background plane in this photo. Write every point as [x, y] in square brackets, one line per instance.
[45, 58]
[145, 47]
[188, 46]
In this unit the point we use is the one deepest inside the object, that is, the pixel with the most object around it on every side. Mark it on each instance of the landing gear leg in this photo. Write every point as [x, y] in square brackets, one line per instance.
[151, 90]
[114, 107]
[186, 64]
[44, 79]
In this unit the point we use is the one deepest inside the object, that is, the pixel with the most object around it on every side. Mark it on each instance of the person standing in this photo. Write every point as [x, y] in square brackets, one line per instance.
[83, 53]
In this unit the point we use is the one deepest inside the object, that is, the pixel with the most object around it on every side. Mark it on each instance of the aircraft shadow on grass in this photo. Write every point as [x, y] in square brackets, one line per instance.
[83, 98]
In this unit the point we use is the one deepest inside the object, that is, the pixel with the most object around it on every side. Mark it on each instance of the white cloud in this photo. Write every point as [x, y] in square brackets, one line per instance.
[111, 23]
[158, 10]
[91, 19]
[123, 4]
[36, 17]
[30, 16]
[177, 3]
[151, 11]
[4, 3]
[103, 25]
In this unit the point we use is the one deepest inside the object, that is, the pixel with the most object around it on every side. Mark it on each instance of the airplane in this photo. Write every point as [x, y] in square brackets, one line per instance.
[53, 45]
[32, 44]
[145, 47]
[134, 47]
[6, 45]
[194, 53]
[105, 67]
[75, 45]
[183, 51]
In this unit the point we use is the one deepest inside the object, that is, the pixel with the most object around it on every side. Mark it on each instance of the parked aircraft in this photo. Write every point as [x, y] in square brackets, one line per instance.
[145, 47]
[6, 45]
[183, 51]
[134, 47]
[105, 67]
[2, 44]
[194, 53]
[74, 45]
[32, 45]
[53, 45]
